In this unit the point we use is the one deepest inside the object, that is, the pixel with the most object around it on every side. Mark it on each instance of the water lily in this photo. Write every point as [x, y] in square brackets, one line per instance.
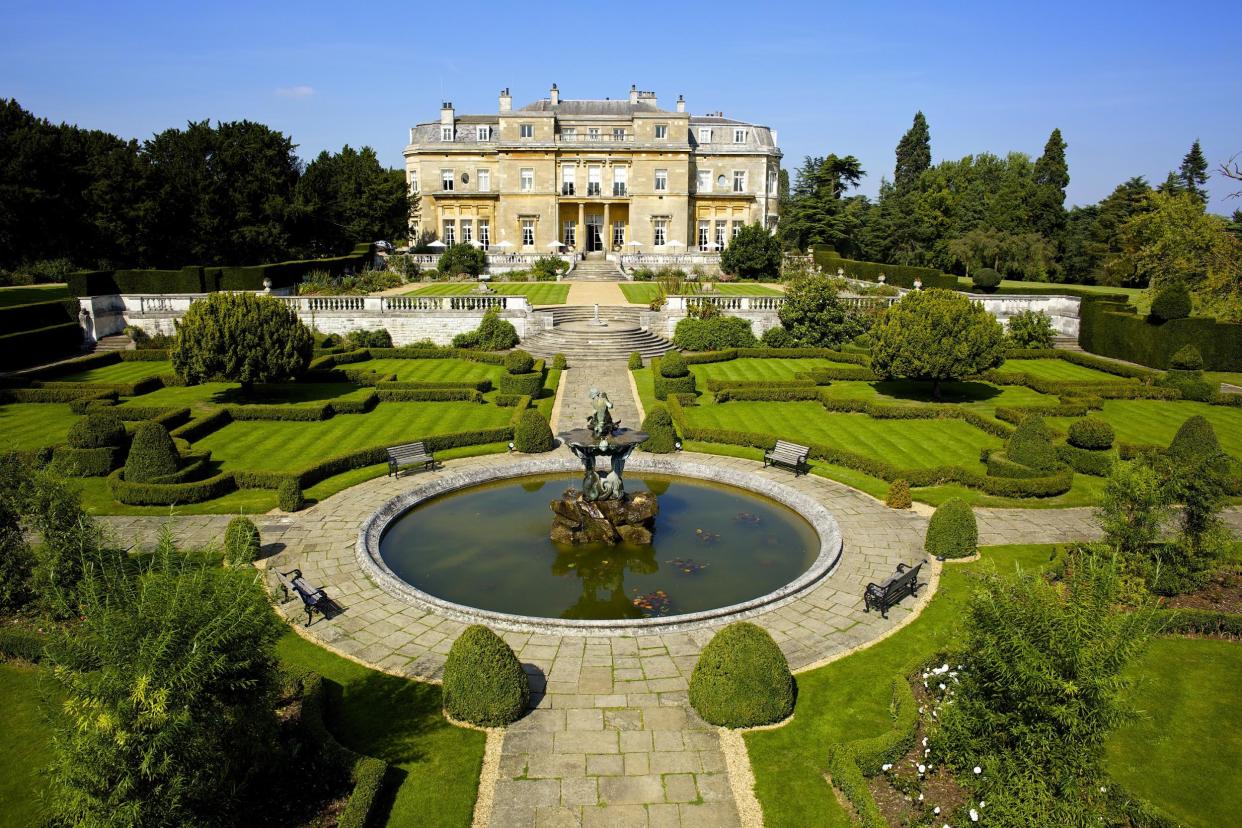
[974, 815]
[978, 769]
[922, 769]
[886, 766]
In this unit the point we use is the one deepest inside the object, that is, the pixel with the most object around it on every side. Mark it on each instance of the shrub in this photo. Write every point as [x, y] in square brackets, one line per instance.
[952, 531]
[661, 436]
[241, 337]
[742, 679]
[636, 361]
[462, 258]
[519, 362]
[493, 334]
[152, 455]
[1187, 358]
[289, 495]
[986, 279]
[1170, 302]
[531, 383]
[778, 337]
[241, 541]
[548, 268]
[1029, 445]
[1030, 329]
[99, 429]
[673, 365]
[369, 338]
[1094, 433]
[559, 363]
[898, 496]
[753, 253]
[714, 334]
[532, 433]
[814, 315]
[1194, 441]
[484, 683]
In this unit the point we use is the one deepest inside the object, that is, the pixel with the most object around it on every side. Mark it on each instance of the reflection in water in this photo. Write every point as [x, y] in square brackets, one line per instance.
[602, 572]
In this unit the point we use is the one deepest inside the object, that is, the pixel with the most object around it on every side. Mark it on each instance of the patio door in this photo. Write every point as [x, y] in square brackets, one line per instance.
[595, 233]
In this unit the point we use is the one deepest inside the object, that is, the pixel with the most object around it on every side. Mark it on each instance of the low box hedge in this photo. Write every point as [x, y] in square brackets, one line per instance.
[776, 394]
[1001, 466]
[824, 376]
[430, 395]
[170, 418]
[281, 413]
[482, 386]
[730, 354]
[86, 462]
[900, 275]
[169, 494]
[1108, 366]
[56, 395]
[1095, 462]
[531, 383]
[715, 384]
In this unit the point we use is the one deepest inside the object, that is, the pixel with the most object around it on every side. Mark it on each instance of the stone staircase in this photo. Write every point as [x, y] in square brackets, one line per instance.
[118, 342]
[595, 270]
[1066, 343]
[575, 334]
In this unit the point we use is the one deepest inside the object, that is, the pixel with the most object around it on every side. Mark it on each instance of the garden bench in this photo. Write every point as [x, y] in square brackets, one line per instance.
[313, 598]
[788, 454]
[905, 581]
[410, 454]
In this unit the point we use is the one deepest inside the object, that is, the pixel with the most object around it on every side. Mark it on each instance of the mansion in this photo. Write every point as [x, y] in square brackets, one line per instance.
[584, 176]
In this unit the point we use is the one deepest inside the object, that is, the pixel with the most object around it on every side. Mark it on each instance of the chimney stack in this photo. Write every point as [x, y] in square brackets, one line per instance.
[633, 93]
[506, 102]
[681, 103]
[555, 95]
[446, 113]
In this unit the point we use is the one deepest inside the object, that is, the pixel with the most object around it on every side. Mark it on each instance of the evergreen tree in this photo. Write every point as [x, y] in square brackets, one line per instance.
[242, 337]
[1193, 172]
[1051, 176]
[348, 197]
[913, 154]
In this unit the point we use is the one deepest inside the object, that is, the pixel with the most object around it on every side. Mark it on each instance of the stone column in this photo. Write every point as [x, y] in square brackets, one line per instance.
[580, 232]
[607, 227]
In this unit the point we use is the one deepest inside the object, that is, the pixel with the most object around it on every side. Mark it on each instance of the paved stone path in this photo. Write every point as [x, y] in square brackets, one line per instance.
[592, 293]
[609, 376]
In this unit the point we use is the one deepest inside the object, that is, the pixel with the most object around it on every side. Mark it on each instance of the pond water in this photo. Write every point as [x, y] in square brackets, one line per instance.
[488, 547]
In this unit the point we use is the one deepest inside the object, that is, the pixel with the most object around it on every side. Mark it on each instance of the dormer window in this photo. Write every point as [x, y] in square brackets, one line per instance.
[446, 133]
[705, 135]
[569, 133]
[661, 132]
[526, 130]
[484, 133]
[739, 136]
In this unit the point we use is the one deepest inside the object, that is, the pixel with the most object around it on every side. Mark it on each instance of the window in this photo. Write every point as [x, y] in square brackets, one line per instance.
[618, 234]
[704, 227]
[620, 179]
[567, 179]
[771, 182]
[739, 181]
[661, 180]
[720, 233]
[661, 227]
[484, 133]
[485, 181]
[450, 232]
[593, 181]
[485, 233]
[704, 181]
[705, 135]
[593, 134]
[618, 133]
[446, 133]
[739, 136]
[446, 180]
[721, 181]
[661, 132]
[569, 133]
[737, 228]
[413, 181]
[568, 236]
[526, 130]
[527, 179]
[467, 230]
[528, 232]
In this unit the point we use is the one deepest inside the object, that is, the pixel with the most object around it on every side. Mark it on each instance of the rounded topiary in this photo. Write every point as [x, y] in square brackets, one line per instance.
[1194, 441]
[1030, 446]
[1170, 302]
[952, 532]
[559, 363]
[1092, 433]
[241, 541]
[661, 435]
[778, 337]
[673, 365]
[289, 495]
[636, 361]
[1187, 358]
[532, 433]
[985, 278]
[484, 683]
[152, 454]
[898, 496]
[99, 429]
[519, 362]
[742, 679]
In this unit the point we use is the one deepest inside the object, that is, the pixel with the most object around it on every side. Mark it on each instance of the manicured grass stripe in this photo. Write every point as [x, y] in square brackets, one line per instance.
[1154, 422]
[28, 294]
[1058, 369]
[227, 393]
[980, 396]
[432, 370]
[27, 747]
[537, 293]
[760, 369]
[120, 372]
[33, 425]
[641, 293]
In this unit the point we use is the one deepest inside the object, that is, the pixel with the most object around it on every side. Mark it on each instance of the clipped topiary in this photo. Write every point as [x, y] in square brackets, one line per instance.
[1187, 358]
[519, 362]
[152, 454]
[1170, 302]
[484, 683]
[99, 429]
[1029, 445]
[985, 278]
[952, 532]
[778, 337]
[673, 365]
[898, 496]
[636, 361]
[241, 541]
[532, 434]
[1093, 433]
[742, 679]
[661, 435]
[289, 495]
[559, 362]
[1194, 441]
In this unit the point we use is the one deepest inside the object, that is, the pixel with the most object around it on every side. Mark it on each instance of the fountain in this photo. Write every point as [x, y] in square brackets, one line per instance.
[602, 512]
[596, 321]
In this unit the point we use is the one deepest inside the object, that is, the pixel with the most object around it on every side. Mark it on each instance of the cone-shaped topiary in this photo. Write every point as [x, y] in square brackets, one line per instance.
[152, 454]
[952, 532]
[1194, 441]
[742, 679]
[532, 433]
[484, 683]
[1170, 302]
[241, 542]
[673, 365]
[99, 429]
[636, 361]
[1030, 446]
[289, 495]
[1094, 433]
[519, 362]
[898, 496]
[661, 436]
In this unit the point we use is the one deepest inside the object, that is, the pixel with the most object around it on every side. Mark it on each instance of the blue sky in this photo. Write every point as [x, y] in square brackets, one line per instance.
[1129, 84]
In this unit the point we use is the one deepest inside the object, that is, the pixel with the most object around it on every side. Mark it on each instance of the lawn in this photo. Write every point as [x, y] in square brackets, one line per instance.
[399, 720]
[1058, 369]
[642, 293]
[1154, 422]
[120, 372]
[1185, 752]
[432, 370]
[980, 396]
[34, 425]
[28, 294]
[210, 394]
[26, 745]
[1231, 377]
[537, 293]
[760, 369]
[1049, 287]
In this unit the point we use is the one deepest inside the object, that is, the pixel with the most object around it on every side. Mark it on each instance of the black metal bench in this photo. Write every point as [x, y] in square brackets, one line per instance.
[410, 454]
[785, 453]
[905, 581]
[314, 599]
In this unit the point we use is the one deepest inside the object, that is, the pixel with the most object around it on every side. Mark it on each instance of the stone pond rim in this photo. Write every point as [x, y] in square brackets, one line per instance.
[367, 548]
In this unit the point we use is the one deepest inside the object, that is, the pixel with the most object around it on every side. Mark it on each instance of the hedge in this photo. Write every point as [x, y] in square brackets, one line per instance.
[55, 395]
[900, 275]
[18, 350]
[1000, 465]
[1108, 366]
[484, 683]
[482, 386]
[532, 434]
[289, 496]
[86, 462]
[1113, 329]
[728, 354]
[1091, 433]
[774, 394]
[169, 494]
[170, 418]
[1062, 388]
[1016, 414]
[19, 318]
[531, 383]
[823, 376]
[742, 679]
[22, 643]
[1199, 622]
[716, 384]
[430, 395]
[1096, 462]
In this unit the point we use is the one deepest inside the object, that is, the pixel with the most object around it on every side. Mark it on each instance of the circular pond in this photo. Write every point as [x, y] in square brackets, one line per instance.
[487, 547]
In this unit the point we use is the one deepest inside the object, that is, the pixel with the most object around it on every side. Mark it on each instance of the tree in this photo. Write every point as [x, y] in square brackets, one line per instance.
[347, 198]
[818, 211]
[753, 253]
[1231, 169]
[462, 258]
[936, 335]
[913, 154]
[241, 337]
[1051, 177]
[1193, 172]
[1133, 507]
[815, 317]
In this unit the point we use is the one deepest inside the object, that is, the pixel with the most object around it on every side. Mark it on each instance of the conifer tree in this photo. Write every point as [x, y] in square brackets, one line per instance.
[913, 154]
[1051, 178]
[1193, 172]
